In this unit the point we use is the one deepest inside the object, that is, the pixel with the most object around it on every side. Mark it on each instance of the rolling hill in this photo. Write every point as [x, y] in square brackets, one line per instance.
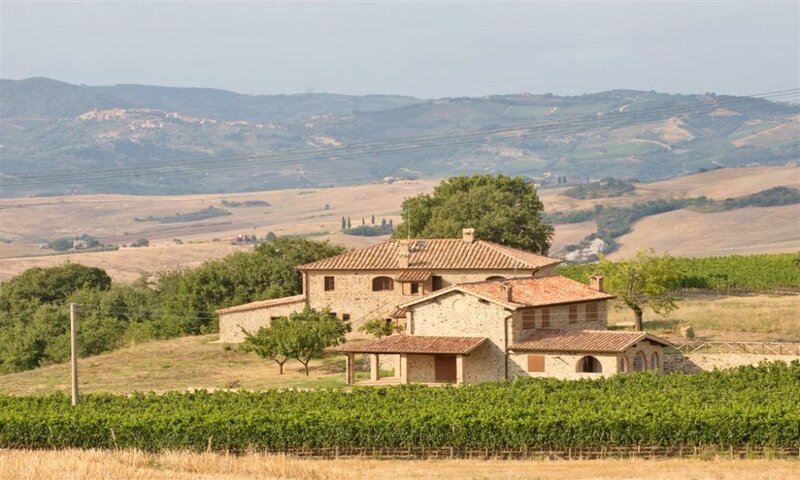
[63, 139]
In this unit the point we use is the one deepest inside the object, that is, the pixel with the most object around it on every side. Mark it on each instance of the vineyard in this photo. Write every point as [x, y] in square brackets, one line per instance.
[749, 407]
[747, 272]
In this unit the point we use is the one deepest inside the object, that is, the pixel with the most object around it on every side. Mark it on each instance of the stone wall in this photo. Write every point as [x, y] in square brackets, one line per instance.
[648, 348]
[701, 362]
[421, 368]
[559, 318]
[461, 315]
[353, 295]
[561, 365]
[231, 324]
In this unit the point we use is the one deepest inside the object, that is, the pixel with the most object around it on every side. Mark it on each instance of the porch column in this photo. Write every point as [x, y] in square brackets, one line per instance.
[403, 368]
[460, 370]
[374, 367]
[350, 377]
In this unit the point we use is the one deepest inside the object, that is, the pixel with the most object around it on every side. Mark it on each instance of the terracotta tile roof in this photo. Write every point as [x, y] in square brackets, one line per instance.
[536, 291]
[398, 313]
[414, 276]
[525, 292]
[261, 304]
[555, 340]
[414, 344]
[436, 254]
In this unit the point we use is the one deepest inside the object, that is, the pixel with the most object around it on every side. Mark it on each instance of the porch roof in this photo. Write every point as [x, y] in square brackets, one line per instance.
[597, 341]
[414, 276]
[414, 344]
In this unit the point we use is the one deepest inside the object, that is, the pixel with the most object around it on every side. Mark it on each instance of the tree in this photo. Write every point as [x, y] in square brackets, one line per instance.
[373, 219]
[379, 328]
[142, 242]
[344, 223]
[270, 237]
[349, 225]
[502, 209]
[643, 281]
[309, 333]
[266, 342]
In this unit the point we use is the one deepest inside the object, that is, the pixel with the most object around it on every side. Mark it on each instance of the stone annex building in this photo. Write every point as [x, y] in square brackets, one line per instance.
[471, 311]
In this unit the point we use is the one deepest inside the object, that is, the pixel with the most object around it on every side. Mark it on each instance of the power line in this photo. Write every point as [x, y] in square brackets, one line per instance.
[386, 147]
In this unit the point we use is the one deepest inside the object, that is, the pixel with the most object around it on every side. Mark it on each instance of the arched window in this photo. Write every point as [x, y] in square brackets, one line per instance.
[654, 361]
[494, 278]
[625, 367]
[382, 283]
[639, 362]
[589, 364]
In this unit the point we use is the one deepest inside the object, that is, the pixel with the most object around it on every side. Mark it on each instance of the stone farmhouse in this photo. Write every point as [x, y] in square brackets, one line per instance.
[371, 282]
[471, 311]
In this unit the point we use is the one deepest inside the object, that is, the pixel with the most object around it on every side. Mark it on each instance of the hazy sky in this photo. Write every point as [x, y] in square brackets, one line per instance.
[427, 50]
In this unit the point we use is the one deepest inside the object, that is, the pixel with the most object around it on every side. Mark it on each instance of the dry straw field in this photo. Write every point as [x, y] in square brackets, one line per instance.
[136, 465]
[317, 212]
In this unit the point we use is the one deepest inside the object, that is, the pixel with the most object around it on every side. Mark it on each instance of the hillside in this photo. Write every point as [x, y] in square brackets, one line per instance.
[60, 138]
[28, 222]
[179, 364]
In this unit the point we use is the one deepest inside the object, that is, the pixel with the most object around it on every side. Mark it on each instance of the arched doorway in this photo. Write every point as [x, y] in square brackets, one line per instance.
[654, 361]
[639, 362]
[589, 364]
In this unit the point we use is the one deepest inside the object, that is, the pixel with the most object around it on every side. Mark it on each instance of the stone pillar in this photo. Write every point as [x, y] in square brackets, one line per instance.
[403, 368]
[374, 367]
[460, 370]
[350, 376]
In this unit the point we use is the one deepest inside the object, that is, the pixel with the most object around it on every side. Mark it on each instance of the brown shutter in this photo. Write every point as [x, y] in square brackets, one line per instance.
[573, 314]
[545, 318]
[528, 319]
[536, 363]
[591, 312]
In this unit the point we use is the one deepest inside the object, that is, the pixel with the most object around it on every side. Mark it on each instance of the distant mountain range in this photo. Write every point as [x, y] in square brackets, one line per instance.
[60, 138]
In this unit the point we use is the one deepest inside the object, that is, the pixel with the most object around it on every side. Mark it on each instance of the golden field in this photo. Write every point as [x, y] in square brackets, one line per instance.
[137, 465]
[30, 221]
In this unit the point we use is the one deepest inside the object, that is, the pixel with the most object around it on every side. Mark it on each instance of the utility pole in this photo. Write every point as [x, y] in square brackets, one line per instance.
[73, 333]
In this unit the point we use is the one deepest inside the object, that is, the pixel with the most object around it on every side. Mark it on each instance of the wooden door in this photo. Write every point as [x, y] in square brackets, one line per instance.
[445, 368]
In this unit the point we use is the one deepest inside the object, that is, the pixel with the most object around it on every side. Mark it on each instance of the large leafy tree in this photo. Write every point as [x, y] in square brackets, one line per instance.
[502, 209]
[267, 342]
[644, 281]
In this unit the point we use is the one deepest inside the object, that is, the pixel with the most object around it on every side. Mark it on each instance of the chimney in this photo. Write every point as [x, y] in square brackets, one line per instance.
[468, 235]
[403, 254]
[596, 282]
[507, 290]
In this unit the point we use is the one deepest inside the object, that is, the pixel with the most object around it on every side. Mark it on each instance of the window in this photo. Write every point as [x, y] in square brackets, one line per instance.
[382, 283]
[591, 312]
[639, 362]
[414, 288]
[528, 319]
[573, 314]
[589, 364]
[494, 278]
[624, 366]
[536, 363]
[545, 318]
[346, 317]
[654, 361]
[436, 283]
[329, 284]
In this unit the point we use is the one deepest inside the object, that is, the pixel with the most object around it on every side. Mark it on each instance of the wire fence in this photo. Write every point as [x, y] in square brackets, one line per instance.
[568, 453]
[750, 348]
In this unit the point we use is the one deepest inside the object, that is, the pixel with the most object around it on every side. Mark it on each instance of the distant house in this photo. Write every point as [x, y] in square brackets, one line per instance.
[470, 311]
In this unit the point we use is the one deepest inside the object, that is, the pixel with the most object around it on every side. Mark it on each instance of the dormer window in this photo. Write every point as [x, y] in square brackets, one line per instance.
[380, 284]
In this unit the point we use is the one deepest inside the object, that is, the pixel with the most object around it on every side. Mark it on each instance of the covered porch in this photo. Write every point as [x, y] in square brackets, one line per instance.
[421, 359]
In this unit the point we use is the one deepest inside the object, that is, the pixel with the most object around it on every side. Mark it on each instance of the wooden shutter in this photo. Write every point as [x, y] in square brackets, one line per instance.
[528, 319]
[591, 312]
[536, 363]
[545, 318]
[573, 314]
